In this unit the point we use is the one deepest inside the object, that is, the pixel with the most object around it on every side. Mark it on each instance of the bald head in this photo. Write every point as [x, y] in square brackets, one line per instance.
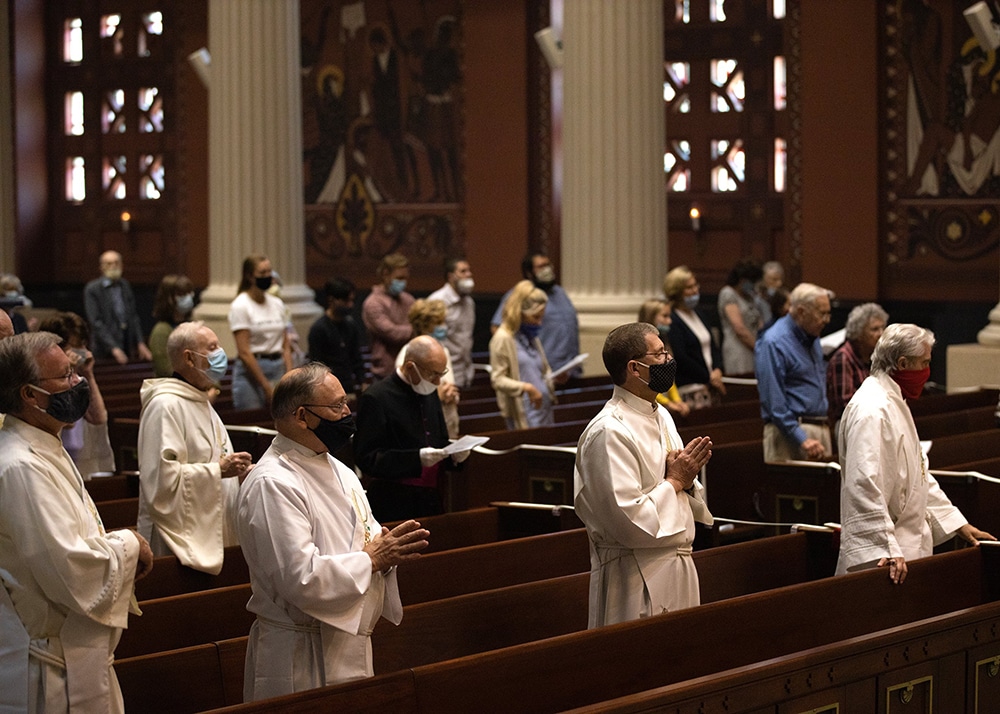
[6, 326]
[426, 359]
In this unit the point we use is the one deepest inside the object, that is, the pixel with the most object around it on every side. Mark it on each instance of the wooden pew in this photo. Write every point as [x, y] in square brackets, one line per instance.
[572, 395]
[940, 403]
[107, 488]
[496, 564]
[961, 448]
[486, 620]
[451, 531]
[810, 493]
[220, 613]
[933, 426]
[732, 480]
[119, 513]
[168, 577]
[908, 630]
[727, 411]
[724, 432]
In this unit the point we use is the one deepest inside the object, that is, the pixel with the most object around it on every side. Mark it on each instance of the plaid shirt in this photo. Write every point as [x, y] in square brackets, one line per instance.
[844, 374]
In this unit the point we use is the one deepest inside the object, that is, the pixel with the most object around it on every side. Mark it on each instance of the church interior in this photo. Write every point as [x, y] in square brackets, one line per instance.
[856, 143]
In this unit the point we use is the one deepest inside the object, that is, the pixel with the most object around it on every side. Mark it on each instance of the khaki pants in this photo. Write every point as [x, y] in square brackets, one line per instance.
[778, 448]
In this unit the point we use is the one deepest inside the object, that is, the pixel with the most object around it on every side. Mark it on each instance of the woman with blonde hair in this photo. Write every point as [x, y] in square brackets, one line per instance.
[427, 318]
[657, 312]
[699, 360]
[519, 371]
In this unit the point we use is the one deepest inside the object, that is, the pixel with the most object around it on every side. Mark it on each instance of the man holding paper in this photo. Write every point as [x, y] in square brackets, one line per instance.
[402, 437]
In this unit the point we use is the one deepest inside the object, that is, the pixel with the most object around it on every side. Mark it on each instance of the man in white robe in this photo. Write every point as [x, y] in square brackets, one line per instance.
[636, 488]
[322, 569]
[891, 509]
[66, 583]
[189, 475]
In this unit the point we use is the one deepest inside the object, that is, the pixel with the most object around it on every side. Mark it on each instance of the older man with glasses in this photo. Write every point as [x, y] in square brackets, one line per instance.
[791, 379]
[636, 487]
[322, 568]
[65, 583]
[402, 435]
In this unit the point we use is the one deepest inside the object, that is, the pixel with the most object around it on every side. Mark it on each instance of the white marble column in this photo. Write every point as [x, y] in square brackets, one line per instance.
[614, 230]
[977, 364]
[7, 198]
[990, 335]
[255, 156]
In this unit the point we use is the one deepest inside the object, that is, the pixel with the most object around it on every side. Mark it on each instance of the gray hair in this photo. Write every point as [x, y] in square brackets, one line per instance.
[860, 316]
[184, 337]
[297, 388]
[19, 366]
[900, 340]
[807, 294]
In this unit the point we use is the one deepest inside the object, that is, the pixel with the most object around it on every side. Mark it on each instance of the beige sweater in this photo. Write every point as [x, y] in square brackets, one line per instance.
[505, 376]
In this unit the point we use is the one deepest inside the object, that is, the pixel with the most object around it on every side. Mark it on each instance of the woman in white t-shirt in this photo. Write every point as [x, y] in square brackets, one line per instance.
[258, 321]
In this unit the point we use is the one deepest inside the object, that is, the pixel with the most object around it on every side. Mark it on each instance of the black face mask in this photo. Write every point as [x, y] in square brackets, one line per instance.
[69, 406]
[661, 376]
[263, 283]
[334, 434]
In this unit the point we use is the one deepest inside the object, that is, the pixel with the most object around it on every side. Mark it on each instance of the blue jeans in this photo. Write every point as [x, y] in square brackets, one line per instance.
[247, 394]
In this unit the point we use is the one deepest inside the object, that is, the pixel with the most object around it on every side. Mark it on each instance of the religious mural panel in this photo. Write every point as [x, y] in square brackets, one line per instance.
[941, 155]
[381, 102]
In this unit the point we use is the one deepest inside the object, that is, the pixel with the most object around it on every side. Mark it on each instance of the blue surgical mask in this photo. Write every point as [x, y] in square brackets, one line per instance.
[531, 331]
[218, 363]
[663, 329]
[184, 303]
[439, 332]
[691, 301]
[396, 287]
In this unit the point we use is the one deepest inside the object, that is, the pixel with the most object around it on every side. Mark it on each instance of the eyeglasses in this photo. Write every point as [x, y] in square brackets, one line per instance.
[431, 373]
[337, 407]
[662, 353]
[68, 376]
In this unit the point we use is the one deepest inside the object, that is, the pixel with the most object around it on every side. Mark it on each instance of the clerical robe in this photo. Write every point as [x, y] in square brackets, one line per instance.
[186, 508]
[890, 505]
[66, 583]
[303, 520]
[641, 530]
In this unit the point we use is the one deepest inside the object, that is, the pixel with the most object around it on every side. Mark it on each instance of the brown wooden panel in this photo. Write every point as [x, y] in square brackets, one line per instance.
[152, 683]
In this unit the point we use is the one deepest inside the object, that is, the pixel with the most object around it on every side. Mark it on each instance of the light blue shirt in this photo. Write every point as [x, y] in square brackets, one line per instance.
[560, 334]
[531, 368]
[791, 377]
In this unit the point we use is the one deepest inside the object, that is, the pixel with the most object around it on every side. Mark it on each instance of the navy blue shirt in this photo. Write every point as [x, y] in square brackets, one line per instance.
[791, 377]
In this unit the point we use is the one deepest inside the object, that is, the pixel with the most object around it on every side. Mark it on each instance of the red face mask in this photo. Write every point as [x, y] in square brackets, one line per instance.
[911, 381]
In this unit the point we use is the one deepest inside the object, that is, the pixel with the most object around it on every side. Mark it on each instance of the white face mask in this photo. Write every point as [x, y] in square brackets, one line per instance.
[465, 286]
[424, 387]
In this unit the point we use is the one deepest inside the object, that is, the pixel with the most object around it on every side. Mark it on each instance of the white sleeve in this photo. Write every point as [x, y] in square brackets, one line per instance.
[608, 470]
[869, 465]
[329, 587]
